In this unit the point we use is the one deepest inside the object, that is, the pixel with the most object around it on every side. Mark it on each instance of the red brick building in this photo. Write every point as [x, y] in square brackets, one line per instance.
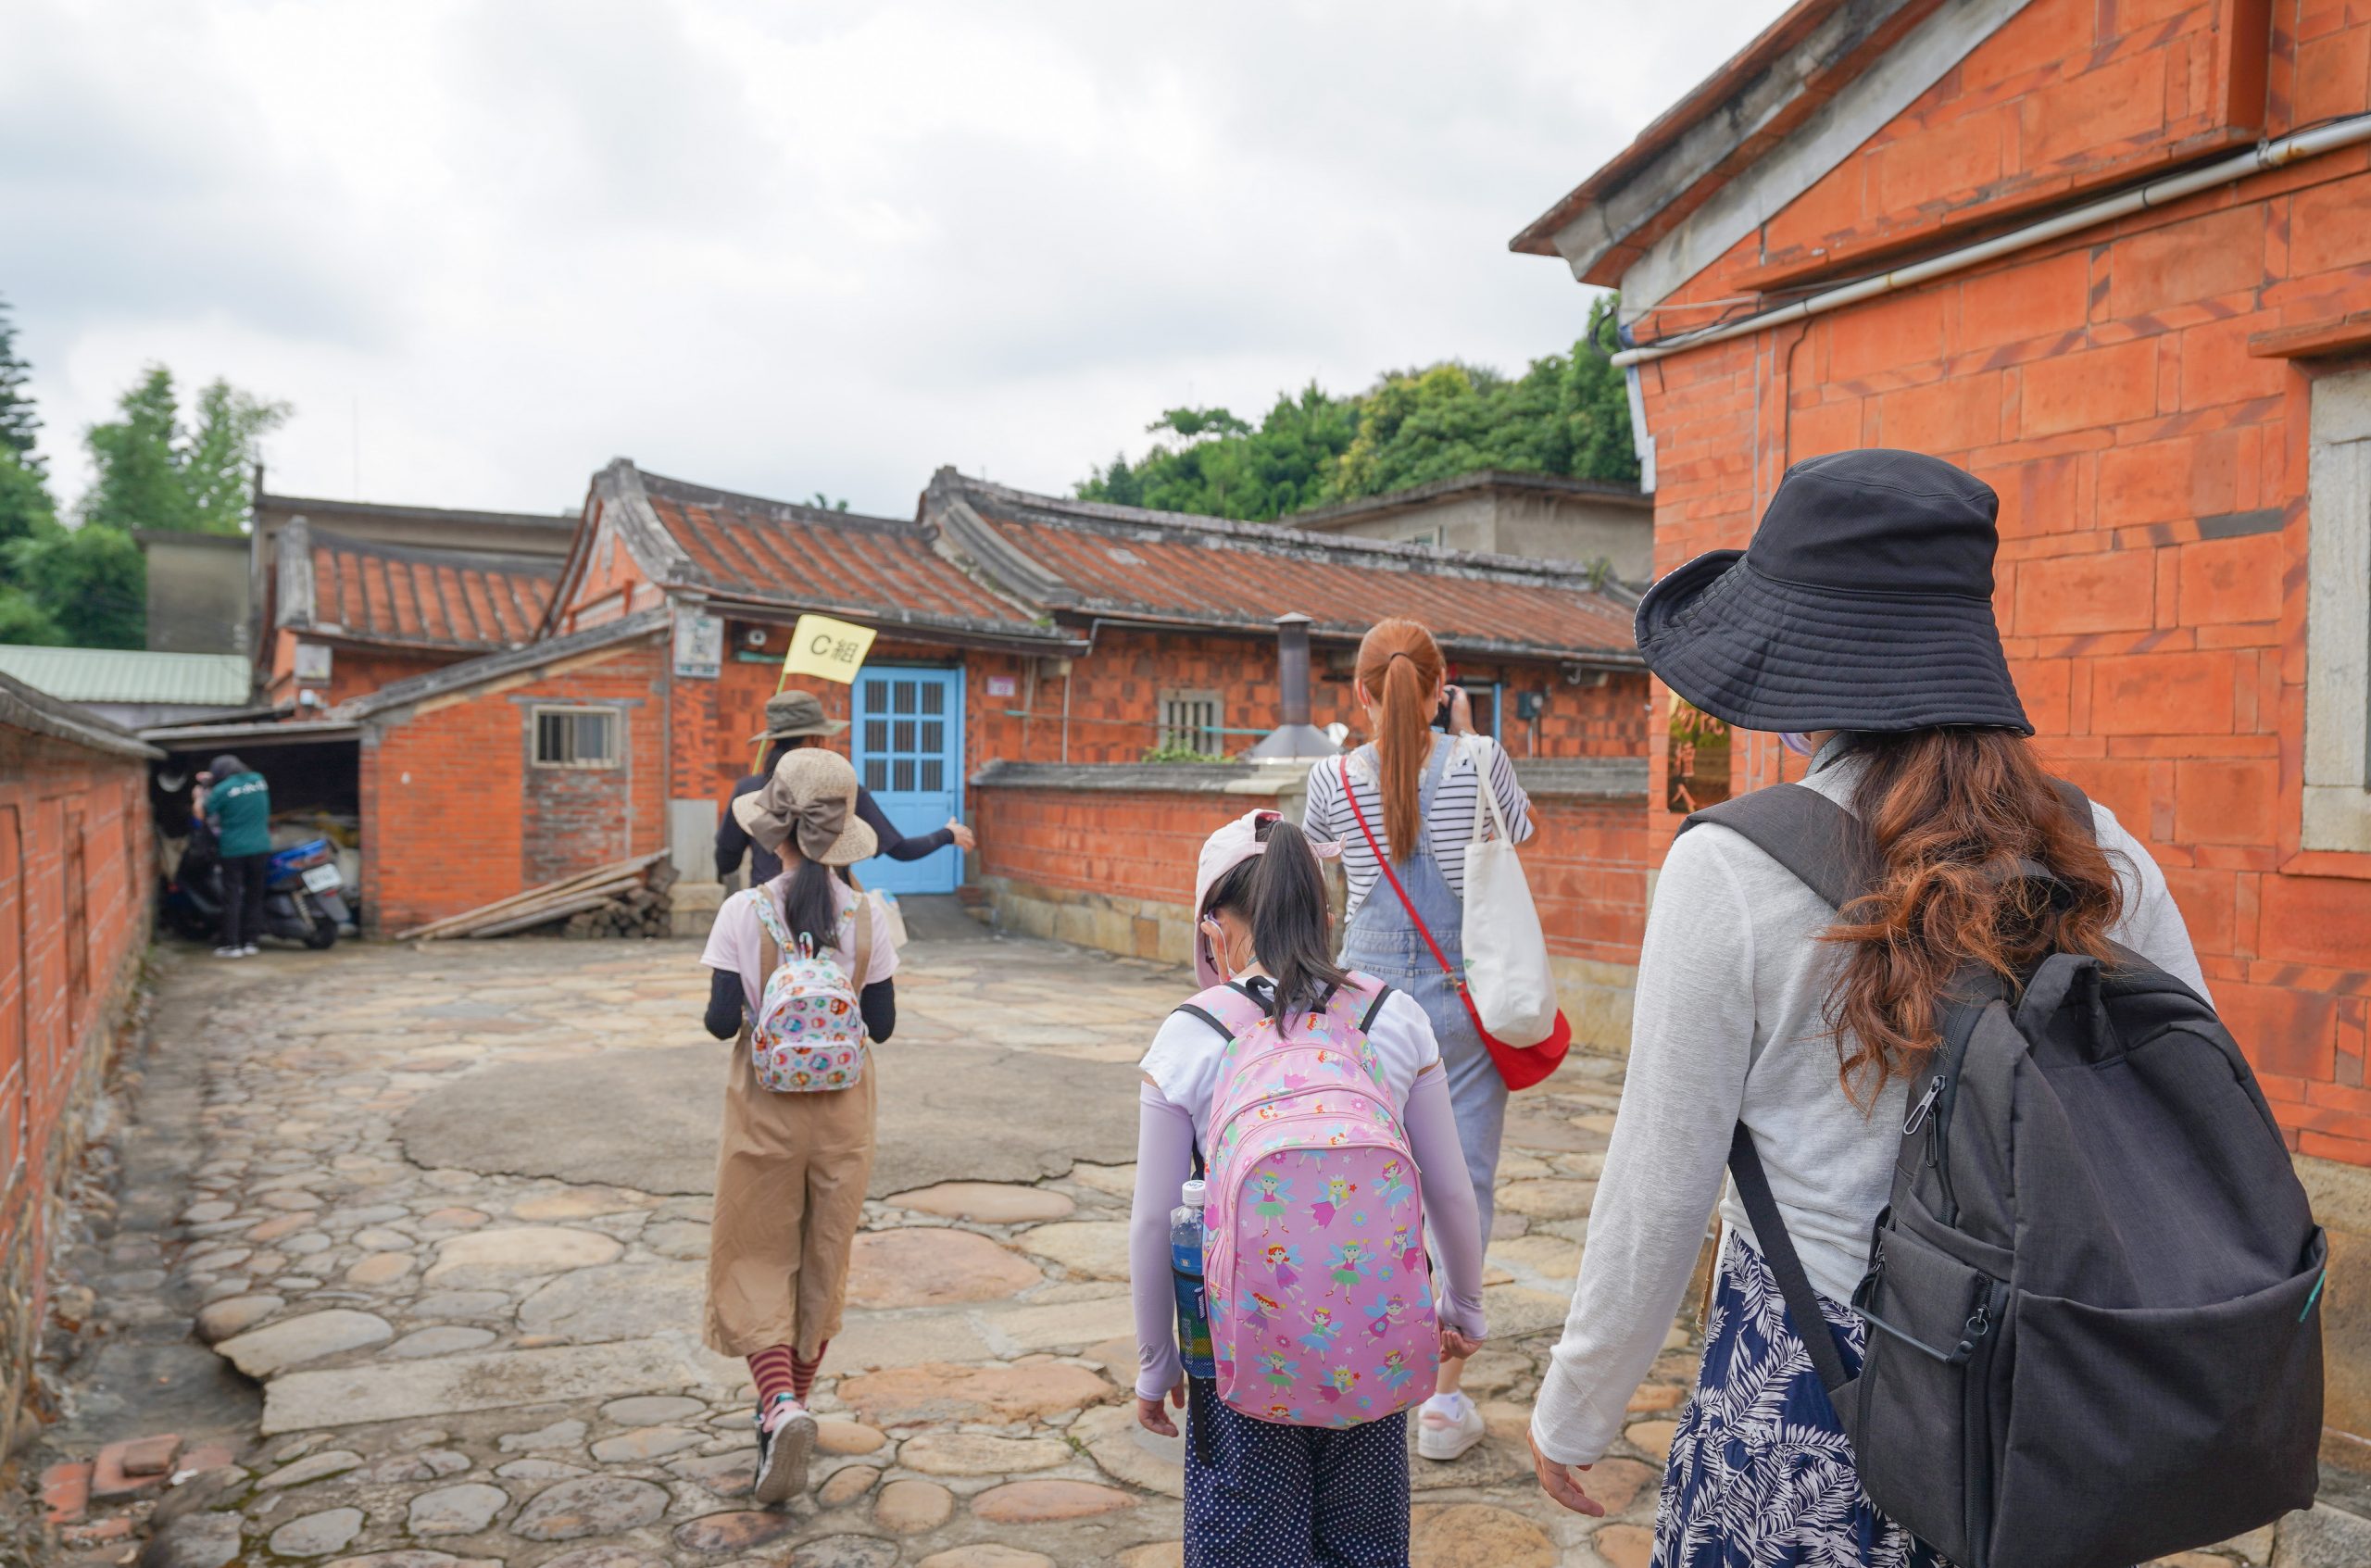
[1033, 651]
[74, 897]
[1906, 224]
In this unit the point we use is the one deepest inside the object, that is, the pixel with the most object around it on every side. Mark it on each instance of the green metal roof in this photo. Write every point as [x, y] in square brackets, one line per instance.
[197, 680]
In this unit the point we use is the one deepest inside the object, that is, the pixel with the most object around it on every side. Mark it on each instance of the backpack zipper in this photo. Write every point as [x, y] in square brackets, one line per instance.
[1991, 1298]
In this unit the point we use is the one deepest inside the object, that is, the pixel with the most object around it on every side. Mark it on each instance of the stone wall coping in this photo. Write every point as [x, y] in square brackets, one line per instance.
[1584, 778]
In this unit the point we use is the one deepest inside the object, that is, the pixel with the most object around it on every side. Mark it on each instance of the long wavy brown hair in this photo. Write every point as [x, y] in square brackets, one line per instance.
[1954, 811]
[1399, 666]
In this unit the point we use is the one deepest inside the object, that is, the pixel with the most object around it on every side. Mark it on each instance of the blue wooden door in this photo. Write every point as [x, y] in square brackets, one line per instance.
[908, 745]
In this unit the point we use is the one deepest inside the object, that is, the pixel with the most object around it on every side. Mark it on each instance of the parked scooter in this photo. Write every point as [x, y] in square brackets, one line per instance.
[302, 900]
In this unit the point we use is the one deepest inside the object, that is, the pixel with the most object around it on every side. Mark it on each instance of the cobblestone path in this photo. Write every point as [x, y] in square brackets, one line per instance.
[450, 1214]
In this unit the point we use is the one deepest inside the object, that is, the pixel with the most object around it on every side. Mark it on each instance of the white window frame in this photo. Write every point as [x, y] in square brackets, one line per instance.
[2338, 617]
[613, 728]
[1188, 732]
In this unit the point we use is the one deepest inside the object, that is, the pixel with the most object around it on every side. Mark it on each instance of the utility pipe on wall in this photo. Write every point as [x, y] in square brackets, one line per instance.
[2265, 156]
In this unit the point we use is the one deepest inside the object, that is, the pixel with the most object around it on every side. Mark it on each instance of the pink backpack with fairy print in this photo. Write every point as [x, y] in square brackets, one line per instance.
[1320, 1296]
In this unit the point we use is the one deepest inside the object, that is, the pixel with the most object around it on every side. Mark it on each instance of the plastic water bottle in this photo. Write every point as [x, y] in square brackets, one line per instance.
[1185, 1272]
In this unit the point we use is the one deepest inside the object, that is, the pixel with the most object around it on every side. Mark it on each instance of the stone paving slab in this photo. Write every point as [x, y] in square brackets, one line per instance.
[454, 1201]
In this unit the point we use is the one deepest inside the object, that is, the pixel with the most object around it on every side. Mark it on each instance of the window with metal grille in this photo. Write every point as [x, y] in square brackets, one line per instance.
[1193, 721]
[576, 737]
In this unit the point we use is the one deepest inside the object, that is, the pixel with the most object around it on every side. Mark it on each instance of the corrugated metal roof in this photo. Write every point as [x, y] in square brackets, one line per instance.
[197, 680]
[404, 594]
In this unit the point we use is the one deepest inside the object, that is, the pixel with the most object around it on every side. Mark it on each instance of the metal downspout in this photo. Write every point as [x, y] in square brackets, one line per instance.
[2266, 156]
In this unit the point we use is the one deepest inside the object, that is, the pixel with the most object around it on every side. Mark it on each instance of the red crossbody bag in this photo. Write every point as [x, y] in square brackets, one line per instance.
[1521, 1066]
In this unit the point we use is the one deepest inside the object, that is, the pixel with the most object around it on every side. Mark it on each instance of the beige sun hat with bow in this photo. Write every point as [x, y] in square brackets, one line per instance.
[811, 797]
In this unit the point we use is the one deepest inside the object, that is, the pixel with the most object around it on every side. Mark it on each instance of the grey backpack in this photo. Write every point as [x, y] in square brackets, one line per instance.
[2091, 1298]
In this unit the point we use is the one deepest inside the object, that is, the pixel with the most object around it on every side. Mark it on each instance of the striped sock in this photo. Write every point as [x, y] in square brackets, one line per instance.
[775, 1372]
[803, 1369]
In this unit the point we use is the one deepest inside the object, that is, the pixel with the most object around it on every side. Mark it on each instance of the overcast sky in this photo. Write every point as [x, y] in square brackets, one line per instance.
[783, 248]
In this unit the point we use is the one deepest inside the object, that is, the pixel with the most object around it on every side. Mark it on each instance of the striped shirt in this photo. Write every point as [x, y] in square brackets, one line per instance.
[1450, 826]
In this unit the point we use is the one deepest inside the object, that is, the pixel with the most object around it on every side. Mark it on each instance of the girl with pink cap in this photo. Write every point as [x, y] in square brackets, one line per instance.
[1318, 1474]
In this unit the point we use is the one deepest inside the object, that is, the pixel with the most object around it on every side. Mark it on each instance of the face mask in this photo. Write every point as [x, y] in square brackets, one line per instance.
[1797, 742]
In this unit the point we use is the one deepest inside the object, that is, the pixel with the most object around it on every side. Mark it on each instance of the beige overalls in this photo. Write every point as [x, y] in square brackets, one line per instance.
[791, 1170]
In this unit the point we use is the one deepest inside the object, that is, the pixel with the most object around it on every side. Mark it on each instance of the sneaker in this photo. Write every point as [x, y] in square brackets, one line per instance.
[785, 1442]
[249, 950]
[227, 952]
[1448, 1426]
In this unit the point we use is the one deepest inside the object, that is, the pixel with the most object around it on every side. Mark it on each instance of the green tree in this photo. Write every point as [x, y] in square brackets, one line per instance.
[138, 457]
[91, 581]
[23, 622]
[218, 466]
[1566, 414]
[26, 510]
[17, 421]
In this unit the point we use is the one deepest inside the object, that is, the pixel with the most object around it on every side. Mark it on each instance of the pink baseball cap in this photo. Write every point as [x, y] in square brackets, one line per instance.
[1236, 842]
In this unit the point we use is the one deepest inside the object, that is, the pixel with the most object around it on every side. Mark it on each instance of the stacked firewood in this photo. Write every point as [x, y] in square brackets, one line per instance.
[627, 898]
[639, 911]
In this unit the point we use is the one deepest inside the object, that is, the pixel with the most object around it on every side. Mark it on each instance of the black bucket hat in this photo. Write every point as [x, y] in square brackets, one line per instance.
[1864, 603]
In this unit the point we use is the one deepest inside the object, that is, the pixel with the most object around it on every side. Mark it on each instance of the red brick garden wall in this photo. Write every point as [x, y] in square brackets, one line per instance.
[76, 880]
[454, 815]
[2152, 470]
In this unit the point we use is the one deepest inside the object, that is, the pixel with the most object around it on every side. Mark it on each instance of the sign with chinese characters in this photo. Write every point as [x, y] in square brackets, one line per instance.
[699, 645]
[1003, 685]
[828, 649]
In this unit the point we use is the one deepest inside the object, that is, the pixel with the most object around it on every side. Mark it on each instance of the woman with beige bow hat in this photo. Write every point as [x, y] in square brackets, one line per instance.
[796, 1148]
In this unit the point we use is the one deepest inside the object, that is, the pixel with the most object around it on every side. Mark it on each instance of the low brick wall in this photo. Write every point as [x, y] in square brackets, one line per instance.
[1102, 855]
[77, 879]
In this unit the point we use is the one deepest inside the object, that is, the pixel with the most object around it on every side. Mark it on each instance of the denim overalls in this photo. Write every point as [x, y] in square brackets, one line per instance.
[1383, 943]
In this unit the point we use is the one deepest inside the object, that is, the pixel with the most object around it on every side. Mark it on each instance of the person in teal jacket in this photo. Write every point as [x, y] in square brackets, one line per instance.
[238, 807]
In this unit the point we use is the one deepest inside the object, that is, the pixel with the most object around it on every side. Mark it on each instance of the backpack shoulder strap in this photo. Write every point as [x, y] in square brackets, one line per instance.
[1786, 1265]
[2078, 806]
[1226, 1010]
[1825, 846]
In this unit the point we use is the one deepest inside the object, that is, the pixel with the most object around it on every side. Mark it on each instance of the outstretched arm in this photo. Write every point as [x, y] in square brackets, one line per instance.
[878, 1003]
[896, 844]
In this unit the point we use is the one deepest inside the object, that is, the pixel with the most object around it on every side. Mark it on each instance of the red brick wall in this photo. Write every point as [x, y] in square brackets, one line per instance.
[1115, 702]
[353, 672]
[1588, 862]
[453, 815]
[2153, 479]
[1125, 844]
[76, 875]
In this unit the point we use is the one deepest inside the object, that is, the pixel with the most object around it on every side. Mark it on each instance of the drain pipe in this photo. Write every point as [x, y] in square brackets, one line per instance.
[2265, 156]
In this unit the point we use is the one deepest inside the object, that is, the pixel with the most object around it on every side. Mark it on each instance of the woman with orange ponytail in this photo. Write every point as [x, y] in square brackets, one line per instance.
[1418, 791]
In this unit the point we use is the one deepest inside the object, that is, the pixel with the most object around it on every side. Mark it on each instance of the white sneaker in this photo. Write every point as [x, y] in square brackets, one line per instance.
[1447, 1427]
[249, 950]
[229, 952]
[783, 1448]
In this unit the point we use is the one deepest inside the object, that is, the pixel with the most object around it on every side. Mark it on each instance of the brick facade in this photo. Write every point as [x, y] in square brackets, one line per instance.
[455, 813]
[76, 881]
[2152, 470]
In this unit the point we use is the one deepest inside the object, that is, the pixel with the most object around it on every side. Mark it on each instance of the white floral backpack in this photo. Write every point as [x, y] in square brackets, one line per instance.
[809, 1033]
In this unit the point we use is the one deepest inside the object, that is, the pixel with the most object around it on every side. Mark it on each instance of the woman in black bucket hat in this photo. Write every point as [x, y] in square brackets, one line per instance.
[1860, 626]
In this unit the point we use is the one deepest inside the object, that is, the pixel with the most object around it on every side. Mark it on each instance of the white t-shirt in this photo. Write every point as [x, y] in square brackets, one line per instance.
[1184, 1060]
[737, 940]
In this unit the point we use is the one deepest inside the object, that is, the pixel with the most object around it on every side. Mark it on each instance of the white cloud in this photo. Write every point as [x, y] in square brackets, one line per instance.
[790, 248]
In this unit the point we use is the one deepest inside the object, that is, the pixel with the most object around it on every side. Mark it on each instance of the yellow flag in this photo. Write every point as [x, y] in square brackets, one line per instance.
[828, 649]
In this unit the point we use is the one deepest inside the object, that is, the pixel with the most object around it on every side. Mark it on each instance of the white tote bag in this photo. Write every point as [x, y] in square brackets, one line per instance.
[1506, 953]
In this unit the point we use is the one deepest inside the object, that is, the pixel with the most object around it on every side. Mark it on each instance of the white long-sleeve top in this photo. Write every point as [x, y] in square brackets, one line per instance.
[1728, 1025]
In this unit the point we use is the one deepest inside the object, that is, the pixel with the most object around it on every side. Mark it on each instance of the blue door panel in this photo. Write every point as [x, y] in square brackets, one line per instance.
[908, 745]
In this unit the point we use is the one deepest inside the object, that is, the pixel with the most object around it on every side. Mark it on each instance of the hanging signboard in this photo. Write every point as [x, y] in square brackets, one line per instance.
[699, 645]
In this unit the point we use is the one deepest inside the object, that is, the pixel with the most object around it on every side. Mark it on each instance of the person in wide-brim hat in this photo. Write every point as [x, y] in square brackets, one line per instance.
[790, 715]
[1859, 626]
[1865, 604]
[794, 722]
[810, 798]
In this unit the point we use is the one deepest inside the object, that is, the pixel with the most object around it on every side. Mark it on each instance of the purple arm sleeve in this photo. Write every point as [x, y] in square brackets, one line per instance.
[1449, 1209]
[1164, 1160]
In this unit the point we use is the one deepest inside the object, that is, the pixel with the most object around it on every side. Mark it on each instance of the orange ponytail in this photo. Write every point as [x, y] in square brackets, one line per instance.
[1401, 665]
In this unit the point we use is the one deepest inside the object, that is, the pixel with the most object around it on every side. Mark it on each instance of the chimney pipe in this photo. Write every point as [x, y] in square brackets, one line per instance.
[1294, 738]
